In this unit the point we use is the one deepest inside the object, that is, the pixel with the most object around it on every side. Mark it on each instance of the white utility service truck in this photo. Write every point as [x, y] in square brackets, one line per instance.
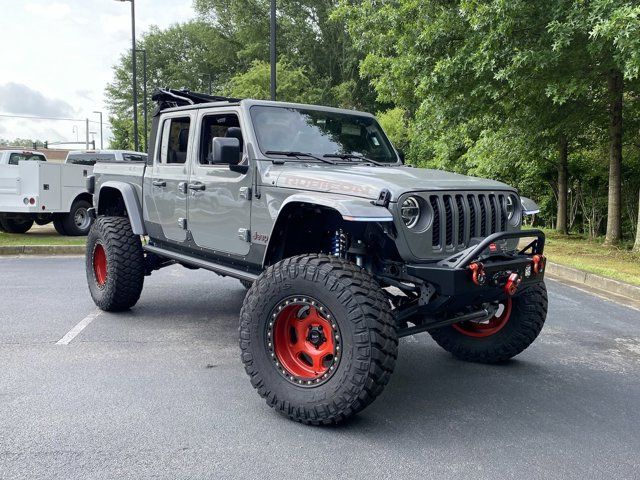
[33, 190]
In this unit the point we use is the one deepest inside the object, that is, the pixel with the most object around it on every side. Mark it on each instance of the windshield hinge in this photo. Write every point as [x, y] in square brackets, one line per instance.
[383, 199]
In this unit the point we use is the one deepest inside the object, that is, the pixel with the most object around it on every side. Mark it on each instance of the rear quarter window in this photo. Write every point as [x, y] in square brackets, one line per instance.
[15, 158]
[89, 158]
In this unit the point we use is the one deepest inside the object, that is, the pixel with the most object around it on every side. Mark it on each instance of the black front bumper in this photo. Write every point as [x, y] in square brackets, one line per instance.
[453, 277]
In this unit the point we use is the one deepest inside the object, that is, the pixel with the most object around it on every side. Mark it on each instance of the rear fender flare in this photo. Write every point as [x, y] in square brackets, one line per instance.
[131, 203]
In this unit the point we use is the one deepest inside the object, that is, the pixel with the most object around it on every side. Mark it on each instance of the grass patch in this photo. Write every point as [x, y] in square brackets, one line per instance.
[619, 263]
[45, 235]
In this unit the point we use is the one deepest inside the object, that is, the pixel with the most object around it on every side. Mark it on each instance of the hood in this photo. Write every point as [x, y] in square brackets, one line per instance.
[368, 182]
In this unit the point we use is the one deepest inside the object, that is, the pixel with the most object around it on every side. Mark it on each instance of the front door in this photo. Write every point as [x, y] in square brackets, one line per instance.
[219, 205]
[169, 177]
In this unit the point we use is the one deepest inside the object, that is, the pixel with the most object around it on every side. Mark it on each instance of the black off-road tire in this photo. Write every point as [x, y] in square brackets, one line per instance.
[124, 264]
[369, 339]
[75, 228]
[528, 314]
[58, 225]
[11, 225]
[246, 284]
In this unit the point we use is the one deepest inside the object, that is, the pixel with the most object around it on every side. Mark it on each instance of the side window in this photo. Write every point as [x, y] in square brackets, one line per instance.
[223, 125]
[174, 140]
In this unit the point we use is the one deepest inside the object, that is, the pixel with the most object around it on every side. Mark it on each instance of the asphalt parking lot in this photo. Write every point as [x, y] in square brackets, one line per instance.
[159, 392]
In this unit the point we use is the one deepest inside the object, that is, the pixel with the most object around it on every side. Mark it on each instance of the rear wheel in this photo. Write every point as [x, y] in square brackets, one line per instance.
[58, 225]
[317, 338]
[114, 264]
[16, 225]
[77, 222]
[515, 325]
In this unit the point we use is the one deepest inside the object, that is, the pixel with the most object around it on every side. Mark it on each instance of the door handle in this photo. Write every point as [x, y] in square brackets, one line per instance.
[196, 186]
[159, 183]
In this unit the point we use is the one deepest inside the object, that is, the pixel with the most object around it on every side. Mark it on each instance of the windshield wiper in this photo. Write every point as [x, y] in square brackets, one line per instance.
[298, 155]
[350, 156]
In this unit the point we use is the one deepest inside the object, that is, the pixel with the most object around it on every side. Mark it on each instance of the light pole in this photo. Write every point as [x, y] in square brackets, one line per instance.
[101, 144]
[273, 49]
[208, 75]
[144, 95]
[133, 68]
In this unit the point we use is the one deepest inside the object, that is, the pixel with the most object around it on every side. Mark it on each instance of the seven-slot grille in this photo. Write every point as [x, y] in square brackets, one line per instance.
[460, 217]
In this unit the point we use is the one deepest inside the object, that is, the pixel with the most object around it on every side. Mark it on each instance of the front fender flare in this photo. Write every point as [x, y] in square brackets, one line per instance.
[131, 203]
[352, 209]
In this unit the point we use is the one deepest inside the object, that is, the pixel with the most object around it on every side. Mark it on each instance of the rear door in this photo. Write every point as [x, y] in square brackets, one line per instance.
[166, 185]
[219, 199]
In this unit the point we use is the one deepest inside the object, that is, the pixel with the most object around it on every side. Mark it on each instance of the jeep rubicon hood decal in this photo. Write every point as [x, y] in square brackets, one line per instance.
[367, 182]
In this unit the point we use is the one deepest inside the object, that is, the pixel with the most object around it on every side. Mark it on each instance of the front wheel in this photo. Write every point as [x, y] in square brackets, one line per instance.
[515, 325]
[317, 338]
[114, 264]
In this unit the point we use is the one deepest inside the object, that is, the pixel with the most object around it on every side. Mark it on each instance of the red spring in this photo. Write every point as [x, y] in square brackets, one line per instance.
[477, 273]
[512, 284]
[539, 262]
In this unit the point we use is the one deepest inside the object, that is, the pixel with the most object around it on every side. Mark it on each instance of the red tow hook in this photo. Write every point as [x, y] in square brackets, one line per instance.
[512, 284]
[539, 262]
[477, 273]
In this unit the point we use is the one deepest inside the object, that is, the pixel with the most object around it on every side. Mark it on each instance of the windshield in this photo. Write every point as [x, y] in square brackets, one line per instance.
[320, 133]
[14, 158]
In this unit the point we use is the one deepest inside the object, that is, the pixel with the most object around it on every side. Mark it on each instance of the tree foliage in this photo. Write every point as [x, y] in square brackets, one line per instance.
[543, 95]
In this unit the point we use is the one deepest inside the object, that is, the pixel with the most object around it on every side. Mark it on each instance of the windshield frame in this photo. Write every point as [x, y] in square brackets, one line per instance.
[263, 149]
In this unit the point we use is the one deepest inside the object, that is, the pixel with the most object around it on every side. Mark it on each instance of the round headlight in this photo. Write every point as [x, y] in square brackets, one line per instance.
[509, 207]
[410, 212]
[512, 209]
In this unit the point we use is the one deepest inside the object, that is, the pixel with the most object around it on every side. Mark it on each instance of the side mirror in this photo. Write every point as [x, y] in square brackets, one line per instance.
[401, 155]
[529, 207]
[225, 150]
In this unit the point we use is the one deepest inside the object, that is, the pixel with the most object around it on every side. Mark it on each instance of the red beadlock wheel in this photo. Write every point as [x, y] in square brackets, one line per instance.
[304, 341]
[100, 264]
[487, 328]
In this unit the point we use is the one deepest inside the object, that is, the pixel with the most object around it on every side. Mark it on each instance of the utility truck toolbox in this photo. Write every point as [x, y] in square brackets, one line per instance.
[342, 248]
[42, 192]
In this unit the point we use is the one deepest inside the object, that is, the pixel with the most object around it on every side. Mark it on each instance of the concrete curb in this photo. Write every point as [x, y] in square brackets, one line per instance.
[595, 281]
[42, 250]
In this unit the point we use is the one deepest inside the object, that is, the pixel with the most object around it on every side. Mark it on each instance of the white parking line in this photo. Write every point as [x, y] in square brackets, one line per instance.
[82, 324]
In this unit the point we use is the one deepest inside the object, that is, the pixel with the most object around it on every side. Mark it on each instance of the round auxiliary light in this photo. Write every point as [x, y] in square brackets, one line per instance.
[410, 212]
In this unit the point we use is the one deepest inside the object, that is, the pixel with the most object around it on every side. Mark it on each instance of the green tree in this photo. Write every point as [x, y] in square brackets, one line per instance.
[293, 83]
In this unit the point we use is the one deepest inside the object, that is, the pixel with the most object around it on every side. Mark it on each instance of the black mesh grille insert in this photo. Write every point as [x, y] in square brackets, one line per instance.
[483, 216]
[503, 216]
[472, 216]
[494, 212]
[461, 223]
[435, 230]
[448, 219]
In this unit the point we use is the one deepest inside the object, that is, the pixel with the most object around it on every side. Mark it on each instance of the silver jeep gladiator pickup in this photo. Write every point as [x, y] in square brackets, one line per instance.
[342, 247]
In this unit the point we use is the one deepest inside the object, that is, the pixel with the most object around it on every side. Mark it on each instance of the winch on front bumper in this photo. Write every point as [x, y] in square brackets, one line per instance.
[493, 267]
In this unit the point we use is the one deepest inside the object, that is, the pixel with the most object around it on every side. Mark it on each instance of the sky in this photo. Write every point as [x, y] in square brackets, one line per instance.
[56, 58]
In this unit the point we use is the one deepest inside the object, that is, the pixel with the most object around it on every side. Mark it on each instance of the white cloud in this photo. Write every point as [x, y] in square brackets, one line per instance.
[51, 11]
